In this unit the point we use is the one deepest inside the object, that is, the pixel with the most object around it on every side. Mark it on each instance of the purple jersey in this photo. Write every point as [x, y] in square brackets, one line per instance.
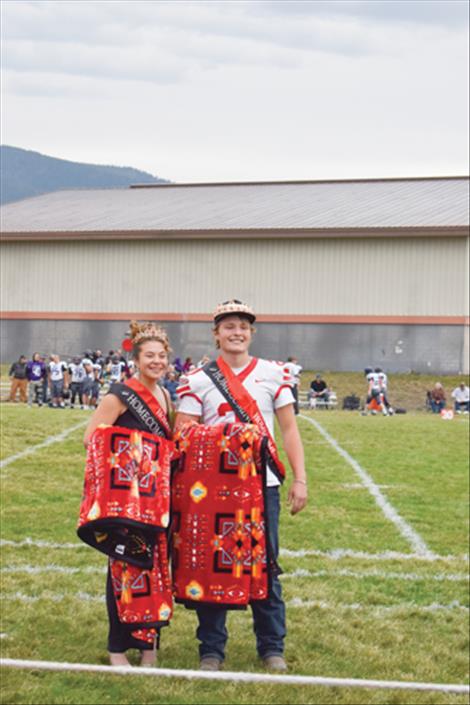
[35, 370]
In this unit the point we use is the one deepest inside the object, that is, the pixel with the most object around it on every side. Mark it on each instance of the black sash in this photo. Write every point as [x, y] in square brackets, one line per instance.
[138, 408]
[218, 379]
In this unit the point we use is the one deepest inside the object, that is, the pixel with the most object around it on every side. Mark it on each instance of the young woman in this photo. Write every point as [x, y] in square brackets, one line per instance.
[139, 403]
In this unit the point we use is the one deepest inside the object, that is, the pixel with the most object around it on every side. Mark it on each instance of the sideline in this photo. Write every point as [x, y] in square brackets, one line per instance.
[414, 539]
[49, 441]
[232, 676]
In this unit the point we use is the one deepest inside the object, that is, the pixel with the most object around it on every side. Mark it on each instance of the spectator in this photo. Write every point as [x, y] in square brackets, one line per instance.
[171, 383]
[438, 398]
[382, 383]
[116, 369]
[295, 370]
[87, 387]
[203, 361]
[19, 381]
[57, 380]
[319, 392]
[188, 365]
[461, 397]
[77, 377]
[178, 365]
[36, 374]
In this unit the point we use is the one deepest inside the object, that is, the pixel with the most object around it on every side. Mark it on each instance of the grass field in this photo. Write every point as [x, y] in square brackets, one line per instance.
[367, 596]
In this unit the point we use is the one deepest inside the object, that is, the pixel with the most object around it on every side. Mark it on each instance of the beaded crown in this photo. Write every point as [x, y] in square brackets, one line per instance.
[234, 307]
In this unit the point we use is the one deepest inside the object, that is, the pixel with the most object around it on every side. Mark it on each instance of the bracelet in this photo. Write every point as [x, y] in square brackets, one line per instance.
[303, 482]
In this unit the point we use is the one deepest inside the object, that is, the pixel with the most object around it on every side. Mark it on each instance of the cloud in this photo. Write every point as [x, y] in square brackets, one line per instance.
[165, 42]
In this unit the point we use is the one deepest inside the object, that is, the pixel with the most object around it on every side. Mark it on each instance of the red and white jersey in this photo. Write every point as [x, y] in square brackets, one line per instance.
[268, 382]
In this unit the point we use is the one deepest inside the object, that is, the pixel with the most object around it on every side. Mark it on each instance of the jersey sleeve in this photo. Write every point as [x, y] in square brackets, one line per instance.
[190, 392]
[280, 381]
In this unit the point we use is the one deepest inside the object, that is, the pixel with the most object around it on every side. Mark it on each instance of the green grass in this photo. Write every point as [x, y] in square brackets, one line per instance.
[390, 619]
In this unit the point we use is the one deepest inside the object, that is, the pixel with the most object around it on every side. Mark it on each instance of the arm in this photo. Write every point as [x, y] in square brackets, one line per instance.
[181, 419]
[297, 496]
[107, 412]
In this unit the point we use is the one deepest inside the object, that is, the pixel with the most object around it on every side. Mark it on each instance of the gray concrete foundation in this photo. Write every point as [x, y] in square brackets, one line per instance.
[340, 347]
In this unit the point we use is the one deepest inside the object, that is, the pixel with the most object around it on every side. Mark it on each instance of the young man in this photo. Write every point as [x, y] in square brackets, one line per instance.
[19, 381]
[266, 392]
[58, 381]
[295, 371]
[36, 374]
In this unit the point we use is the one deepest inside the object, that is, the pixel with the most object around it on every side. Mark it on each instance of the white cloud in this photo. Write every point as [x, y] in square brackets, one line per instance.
[208, 90]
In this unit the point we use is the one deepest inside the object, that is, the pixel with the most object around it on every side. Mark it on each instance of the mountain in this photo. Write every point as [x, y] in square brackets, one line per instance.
[25, 173]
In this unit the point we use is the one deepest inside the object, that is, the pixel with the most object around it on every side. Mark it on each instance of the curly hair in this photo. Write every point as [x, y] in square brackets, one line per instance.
[141, 333]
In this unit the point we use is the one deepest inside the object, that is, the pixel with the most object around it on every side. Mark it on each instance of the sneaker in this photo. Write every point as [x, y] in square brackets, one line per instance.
[275, 663]
[210, 663]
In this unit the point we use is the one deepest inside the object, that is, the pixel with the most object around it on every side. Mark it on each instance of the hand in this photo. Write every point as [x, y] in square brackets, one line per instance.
[297, 496]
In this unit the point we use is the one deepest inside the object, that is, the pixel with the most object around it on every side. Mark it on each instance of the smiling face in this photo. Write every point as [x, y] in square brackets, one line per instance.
[152, 359]
[233, 334]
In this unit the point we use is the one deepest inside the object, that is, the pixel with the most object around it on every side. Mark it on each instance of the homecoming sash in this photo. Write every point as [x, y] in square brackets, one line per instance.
[245, 407]
[143, 406]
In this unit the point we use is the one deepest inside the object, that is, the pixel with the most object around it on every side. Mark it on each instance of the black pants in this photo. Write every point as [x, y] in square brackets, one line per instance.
[76, 388]
[120, 638]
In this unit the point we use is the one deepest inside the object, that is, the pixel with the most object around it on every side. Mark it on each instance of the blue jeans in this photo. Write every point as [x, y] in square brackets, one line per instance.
[269, 616]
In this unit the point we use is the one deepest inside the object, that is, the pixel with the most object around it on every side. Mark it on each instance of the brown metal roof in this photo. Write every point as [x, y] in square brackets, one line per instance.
[280, 207]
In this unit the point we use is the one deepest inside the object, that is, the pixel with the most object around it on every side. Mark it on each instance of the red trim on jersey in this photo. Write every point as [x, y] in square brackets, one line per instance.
[179, 390]
[191, 394]
[248, 370]
[283, 386]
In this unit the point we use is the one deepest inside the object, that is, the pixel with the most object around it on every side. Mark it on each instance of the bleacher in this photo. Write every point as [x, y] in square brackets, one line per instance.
[306, 403]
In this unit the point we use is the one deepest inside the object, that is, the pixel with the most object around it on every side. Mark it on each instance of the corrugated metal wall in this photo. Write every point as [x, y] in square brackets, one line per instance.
[351, 277]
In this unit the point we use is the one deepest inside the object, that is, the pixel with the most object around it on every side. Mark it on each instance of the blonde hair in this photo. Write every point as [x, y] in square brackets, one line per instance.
[141, 333]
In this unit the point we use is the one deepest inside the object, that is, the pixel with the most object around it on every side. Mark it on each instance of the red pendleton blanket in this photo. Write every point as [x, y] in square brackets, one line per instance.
[143, 597]
[219, 548]
[126, 498]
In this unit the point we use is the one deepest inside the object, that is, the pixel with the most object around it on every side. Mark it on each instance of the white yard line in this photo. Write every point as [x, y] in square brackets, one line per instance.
[48, 442]
[335, 554]
[377, 609]
[232, 676]
[53, 568]
[295, 602]
[412, 537]
[29, 569]
[382, 574]
[41, 543]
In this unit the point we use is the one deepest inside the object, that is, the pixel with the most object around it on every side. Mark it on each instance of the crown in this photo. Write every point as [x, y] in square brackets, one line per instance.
[234, 307]
[147, 330]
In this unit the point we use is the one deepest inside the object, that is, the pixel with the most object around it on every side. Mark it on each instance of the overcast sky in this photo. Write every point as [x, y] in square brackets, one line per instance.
[211, 91]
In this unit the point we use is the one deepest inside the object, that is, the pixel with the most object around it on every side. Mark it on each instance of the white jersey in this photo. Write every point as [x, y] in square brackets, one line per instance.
[77, 372]
[269, 383]
[115, 371]
[295, 371]
[56, 370]
[88, 366]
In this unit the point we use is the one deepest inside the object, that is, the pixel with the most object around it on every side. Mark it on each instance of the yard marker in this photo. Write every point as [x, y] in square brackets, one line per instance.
[414, 539]
[49, 441]
[232, 676]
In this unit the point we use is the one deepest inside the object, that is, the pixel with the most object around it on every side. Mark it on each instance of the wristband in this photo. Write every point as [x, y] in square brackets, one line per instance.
[303, 482]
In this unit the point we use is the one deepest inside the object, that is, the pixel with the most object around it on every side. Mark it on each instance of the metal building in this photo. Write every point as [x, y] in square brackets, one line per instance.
[342, 274]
